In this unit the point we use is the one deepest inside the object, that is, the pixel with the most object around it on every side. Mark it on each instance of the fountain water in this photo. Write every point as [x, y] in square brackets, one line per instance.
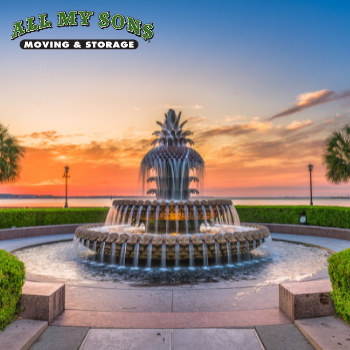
[177, 254]
[163, 261]
[122, 255]
[205, 255]
[229, 253]
[211, 214]
[217, 254]
[204, 215]
[113, 259]
[149, 255]
[136, 255]
[177, 218]
[138, 215]
[239, 255]
[102, 253]
[124, 215]
[191, 255]
[147, 216]
[195, 215]
[157, 218]
[186, 217]
[130, 215]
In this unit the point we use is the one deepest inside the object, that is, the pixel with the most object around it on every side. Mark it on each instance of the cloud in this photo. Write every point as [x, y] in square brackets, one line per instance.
[237, 117]
[50, 135]
[196, 119]
[136, 108]
[296, 124]
[197, 107]
[327, 121]
[311, 99]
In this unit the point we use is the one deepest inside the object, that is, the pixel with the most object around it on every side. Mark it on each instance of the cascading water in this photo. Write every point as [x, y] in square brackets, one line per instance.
[229, 253]
[87, 245]
[122, 255]
[247, 252]
[130, 215]
[115, 213]
[228, 214]
[205, 255]
[124, 215]
[109, 216]
[102, 253]
[113, 260]
[157, 218]
[119, 214]
[147, 216]
[191, 254]
[224, 216]
[149, 255]
[163, 261]
[136, 255]
[177, 218]
[235, 216]
[138, 216]
[177, 254]
[212, 214]
[219, 214]
[195, 215]
[217, 254]
[239, 255]
[186, 217]
[204, 215]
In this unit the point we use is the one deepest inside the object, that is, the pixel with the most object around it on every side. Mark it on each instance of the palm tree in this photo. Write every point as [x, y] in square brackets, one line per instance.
[336, 157]
[10, 155]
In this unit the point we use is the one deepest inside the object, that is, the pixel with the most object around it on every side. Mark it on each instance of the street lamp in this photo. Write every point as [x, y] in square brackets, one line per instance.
[310, 169]
[65, 175]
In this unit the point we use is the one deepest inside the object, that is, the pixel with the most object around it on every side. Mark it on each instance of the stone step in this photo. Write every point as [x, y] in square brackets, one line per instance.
[21, 334]
[310, 299]
[42, 301]
[325, 333]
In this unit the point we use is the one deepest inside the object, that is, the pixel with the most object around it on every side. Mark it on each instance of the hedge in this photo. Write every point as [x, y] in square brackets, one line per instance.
[289, 214]
[339, 273]
[50, 216]
[278, 214]
[12, 275]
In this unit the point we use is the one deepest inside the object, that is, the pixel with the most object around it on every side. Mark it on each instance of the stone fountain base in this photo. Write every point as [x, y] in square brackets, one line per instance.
[129, 245]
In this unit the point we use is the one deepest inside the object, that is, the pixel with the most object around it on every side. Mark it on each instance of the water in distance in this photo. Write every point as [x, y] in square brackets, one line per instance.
[287, 261]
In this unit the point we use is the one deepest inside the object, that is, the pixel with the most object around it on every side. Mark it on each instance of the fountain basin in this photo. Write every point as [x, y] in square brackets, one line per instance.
[130, 242]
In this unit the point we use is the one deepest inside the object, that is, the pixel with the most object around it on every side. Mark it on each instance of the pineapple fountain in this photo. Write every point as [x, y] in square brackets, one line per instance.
[172, 227]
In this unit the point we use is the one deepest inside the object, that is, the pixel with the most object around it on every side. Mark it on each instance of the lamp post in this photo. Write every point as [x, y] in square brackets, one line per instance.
[310, 166]
[65, 175]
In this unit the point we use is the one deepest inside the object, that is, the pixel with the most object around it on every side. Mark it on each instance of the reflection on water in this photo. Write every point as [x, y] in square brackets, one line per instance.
[288, 261]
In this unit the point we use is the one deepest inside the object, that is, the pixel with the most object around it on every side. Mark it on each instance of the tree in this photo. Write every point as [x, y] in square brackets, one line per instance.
[336, 157]
[10, 155]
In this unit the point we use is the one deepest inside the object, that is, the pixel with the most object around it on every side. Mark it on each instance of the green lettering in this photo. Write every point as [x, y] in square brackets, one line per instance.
[115, 21]
[18, 30]
[148, 34]
[67, 21]
[134, 26]
[32, 27]
[104, 20]
[85, 16]
[43, 22]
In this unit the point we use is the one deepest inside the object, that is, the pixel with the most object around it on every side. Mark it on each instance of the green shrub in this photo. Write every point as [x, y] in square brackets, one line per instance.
[289, 214]
[50, 216]
[12, 275]
[339, 272]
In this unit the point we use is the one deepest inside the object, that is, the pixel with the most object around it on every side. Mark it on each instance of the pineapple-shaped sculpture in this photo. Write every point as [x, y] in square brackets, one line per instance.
[171, 164]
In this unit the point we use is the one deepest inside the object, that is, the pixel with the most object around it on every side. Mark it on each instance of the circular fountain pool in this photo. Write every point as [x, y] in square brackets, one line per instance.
[285, 261]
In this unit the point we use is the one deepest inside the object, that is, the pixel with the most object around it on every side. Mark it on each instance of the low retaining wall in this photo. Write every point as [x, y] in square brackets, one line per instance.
[306, 230]
[34, 231]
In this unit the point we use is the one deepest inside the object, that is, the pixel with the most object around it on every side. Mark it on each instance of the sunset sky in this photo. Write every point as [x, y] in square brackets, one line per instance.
[262, 84]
